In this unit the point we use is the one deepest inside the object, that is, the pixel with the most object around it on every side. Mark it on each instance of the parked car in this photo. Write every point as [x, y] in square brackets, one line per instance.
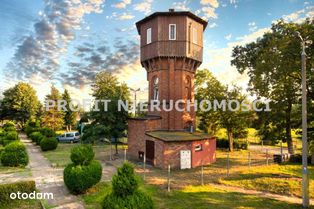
[69, 137]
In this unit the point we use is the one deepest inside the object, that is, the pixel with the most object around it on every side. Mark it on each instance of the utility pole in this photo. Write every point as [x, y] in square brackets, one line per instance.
[134, 92]
[305, 171]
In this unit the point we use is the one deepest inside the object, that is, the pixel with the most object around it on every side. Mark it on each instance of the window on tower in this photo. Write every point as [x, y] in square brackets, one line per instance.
[188, 88]
[194, 35]
[172, 32]
[155, 88]
[149, 36]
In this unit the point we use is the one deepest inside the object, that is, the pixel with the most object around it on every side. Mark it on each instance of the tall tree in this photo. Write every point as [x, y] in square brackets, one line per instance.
[273, 65]
[19, 103]
[113, 119]
[69, 115]
[234, 121]
[52, 116]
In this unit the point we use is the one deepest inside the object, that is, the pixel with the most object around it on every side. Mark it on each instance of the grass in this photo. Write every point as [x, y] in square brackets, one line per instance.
[279, 179]
[9, 170]
[200, 197]
[22, 204]
[60, 157]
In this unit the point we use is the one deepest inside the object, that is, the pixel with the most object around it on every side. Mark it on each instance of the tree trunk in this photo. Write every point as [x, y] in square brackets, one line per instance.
[230, 139]
[288, 129]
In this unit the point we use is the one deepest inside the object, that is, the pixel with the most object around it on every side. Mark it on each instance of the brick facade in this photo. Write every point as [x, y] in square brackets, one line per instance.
[173, 63]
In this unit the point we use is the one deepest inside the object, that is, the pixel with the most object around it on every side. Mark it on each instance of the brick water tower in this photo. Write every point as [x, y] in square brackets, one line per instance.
[171, 46]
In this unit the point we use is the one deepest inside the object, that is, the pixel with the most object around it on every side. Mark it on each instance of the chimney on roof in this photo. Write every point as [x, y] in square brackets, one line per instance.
[171, 10]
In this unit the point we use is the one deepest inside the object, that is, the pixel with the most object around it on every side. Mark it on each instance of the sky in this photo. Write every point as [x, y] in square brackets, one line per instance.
[67, 42]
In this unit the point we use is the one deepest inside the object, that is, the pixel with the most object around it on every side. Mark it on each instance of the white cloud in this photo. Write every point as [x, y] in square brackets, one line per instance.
[122, 4]
[209, 12]
[125, 16]
[145, 6]
[228, 37]
[181, 5]
[213, 25]
[213, 3]
[252, 26]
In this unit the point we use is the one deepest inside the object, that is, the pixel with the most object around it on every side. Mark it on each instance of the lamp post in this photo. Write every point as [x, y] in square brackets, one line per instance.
[305, 171]
[135, 91]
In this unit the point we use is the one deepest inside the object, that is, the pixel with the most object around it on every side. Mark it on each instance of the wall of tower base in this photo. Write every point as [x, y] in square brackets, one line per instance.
[166, 152]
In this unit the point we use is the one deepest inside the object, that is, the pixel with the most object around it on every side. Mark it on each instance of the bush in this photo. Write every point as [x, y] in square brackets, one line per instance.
[47, 132]
[125, 182]
[48, 144]
[22, 187]
[138, 200]
[125, 193]
[79, 178]
[82, 154]
[9, 129]
[224, 144]
[9, 126]
[29, 130]
[1, 150]
[297, 158]
[240, 145]
[36, 137]
[14, 154]
[12, 135]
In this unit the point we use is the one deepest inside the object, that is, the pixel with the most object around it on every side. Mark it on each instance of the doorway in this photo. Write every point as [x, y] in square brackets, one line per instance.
[150, 151]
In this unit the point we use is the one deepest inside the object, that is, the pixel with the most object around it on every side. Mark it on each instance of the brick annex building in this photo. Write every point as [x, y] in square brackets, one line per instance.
[171, 51]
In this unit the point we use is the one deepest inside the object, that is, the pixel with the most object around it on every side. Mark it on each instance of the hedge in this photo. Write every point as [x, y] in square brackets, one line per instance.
[47, 132]
[48, 144]
[14, 154]
[22, 187]
[79, 178]
[224, 144]
[12, 135]
[36, 137]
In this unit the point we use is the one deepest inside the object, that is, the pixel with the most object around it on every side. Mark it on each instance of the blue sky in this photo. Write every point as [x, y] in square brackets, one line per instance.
[66, 42]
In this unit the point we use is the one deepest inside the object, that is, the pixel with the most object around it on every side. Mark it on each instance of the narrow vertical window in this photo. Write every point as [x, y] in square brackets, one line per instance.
[172, 32]
[155, 88]
[149, 36]
[194, 35]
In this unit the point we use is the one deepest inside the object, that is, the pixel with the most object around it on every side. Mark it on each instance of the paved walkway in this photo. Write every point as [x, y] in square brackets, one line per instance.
[289, 199]
[49, 179]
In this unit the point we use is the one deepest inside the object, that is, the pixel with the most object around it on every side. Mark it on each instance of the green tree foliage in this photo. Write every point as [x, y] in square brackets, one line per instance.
[52, 116]
[112, 122]
[69, 115]
[19, 103]
[273, 64]
[235, 122]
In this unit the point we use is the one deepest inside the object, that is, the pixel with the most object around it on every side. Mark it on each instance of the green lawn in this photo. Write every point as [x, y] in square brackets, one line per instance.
[61, 156]
[22, 204]
[279, 179]
[200, 197]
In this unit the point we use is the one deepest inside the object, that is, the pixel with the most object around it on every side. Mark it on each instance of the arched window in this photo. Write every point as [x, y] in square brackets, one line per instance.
[188, 89]
[155, 88]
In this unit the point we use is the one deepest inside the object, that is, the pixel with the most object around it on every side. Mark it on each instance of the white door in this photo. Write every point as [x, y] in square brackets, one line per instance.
[185, 159]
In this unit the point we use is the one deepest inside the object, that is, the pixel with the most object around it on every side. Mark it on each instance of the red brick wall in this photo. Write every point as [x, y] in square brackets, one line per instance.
[136, 135]
[172, 74]
[172, 153]
[207, 155]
